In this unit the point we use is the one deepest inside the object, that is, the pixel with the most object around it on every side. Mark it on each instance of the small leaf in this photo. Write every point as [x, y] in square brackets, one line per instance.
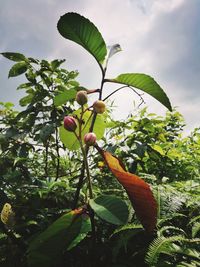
[195, 229]
[24, 86]
[80, 30]
[46, 132]
[135, 228]
[14, 56]
[65, 233]
[56, 63]
[145, 83]
[158, 149]
[63, 97]
[9, 105]
[24, 101]
[113, 50]
[139, 191]
[18, 69]
[111, 209]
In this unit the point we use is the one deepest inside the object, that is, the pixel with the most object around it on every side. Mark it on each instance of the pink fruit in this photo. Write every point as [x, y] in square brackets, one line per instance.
[90, 139]
[70, 123]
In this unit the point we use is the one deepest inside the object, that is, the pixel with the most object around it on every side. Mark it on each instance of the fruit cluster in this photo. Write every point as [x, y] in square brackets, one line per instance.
[71, 123]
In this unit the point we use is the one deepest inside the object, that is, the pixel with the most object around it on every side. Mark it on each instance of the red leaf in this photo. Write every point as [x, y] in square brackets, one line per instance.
[139, 191]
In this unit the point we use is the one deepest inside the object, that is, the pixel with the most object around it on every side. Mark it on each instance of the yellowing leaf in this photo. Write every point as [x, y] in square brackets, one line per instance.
[7, 215]
[158, 149]
[139, 191]
[101, 164]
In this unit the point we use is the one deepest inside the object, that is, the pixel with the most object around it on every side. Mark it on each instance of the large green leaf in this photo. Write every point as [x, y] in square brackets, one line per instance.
[63, 97]
[80, 30]
[145, 83]
[65, 233]
[18, 69]
[111, 209]
[14, 56]
[69, 139]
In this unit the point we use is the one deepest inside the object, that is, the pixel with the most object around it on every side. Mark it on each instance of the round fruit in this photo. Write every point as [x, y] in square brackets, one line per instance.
[99, 106]
[70, 123]
[81, 97]
[90, 139]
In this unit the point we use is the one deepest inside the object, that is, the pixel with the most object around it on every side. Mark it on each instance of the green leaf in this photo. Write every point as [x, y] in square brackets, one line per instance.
[63, 97]
[80, 30]
[24, 101]
[158, 149]
[145, 83]
[69, 139]
[24, 86]
[18, 69]
[56, 63]
[131, 228]
[65, 233]
[195, 229]
[46, 132]
[85, 228]
[111, 209]
[9, 105]
[14, 56]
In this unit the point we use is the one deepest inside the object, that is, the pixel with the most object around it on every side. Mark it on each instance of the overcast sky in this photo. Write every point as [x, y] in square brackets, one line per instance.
[158, 37]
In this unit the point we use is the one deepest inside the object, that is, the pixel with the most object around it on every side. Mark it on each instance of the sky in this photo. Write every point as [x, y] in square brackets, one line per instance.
[160, 38]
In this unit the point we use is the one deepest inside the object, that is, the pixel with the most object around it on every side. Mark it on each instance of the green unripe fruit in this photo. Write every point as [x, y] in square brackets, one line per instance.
[81, 97]
[99, 106]
[70, 123]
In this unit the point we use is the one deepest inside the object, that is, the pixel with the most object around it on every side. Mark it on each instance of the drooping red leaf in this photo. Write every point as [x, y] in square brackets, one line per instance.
[139, 191]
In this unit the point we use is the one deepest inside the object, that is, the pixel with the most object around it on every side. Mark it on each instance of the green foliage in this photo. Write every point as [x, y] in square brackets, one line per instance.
[14, 56]
[168, 246]
[111, 209]
[80, 30]
[65, 233]
[18, 69]
[161, 245]
[64, 96]
[157, 146]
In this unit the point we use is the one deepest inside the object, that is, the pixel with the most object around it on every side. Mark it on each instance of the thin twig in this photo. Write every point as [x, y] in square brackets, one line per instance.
[86, 166]
[115, 92]
[46, 159]
[140, 96]
[58, 155]
[79, 186]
